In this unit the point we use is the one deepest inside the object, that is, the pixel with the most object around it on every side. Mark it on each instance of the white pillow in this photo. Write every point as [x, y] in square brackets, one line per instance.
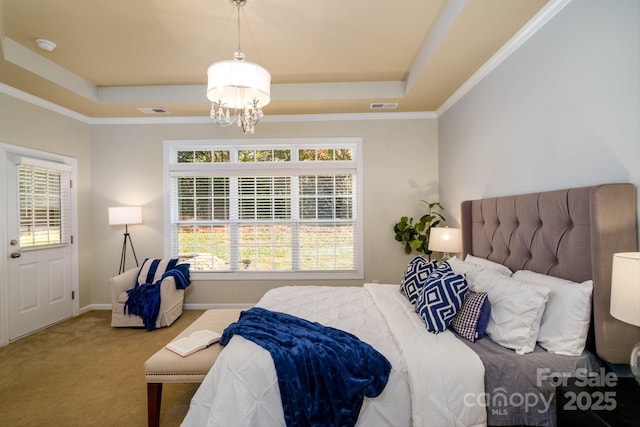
[461, 267]
[516, 309]
[566, 318]
[485, 263]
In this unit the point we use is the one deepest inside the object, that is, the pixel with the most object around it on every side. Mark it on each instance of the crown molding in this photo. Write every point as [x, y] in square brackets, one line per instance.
[542, 17]
[39, 102]
[284, 118]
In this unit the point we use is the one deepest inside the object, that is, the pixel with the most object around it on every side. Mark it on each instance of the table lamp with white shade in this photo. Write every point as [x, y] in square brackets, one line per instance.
[446, 240]
[126, 215]
[625, 297]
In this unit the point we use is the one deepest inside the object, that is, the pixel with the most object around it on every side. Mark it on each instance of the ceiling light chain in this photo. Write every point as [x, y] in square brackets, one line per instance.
[238, 3]
[238, 89]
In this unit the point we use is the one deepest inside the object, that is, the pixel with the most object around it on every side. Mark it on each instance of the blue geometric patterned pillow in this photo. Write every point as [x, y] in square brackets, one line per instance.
[444, 268]
[441, 299]
[415, 277]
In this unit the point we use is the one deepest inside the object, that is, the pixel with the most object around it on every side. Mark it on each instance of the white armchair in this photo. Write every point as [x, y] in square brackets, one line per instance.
[171, 300]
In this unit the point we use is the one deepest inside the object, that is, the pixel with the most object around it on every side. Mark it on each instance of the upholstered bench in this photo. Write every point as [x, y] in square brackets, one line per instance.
[167, 367]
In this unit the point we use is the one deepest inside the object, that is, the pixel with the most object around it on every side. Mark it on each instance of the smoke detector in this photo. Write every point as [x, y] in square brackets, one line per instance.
[46, 45]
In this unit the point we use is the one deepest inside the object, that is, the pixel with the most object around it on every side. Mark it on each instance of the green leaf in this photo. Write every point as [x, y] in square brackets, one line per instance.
[415, 236]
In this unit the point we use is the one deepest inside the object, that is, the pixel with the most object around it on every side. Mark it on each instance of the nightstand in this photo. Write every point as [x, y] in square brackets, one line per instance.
[580, 404]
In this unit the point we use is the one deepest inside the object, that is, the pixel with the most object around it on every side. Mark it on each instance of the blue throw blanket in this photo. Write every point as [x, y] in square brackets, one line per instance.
[144, 299]
[323, 373]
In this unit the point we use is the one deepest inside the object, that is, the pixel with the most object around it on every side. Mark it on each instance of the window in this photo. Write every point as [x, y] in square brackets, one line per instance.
[43, 195]
[266, 208]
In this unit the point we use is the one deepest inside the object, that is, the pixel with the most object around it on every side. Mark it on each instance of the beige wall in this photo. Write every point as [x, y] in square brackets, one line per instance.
[123, 165]
[400, 168]
[26, 125]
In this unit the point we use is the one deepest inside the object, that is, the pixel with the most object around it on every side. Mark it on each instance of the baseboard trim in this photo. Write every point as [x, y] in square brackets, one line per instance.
[214, 306]
[91, 307]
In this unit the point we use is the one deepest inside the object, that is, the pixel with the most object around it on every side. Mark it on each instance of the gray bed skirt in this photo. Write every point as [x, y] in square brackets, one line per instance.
[520, 389]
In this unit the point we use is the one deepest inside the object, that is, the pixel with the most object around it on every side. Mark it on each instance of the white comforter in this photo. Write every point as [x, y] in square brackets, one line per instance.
[435, 379]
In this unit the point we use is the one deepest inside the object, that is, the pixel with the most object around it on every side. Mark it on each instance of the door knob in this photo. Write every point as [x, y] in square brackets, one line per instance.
[15, 254]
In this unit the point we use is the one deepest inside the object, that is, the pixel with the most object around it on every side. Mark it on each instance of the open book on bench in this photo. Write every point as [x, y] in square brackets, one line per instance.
[195, 341]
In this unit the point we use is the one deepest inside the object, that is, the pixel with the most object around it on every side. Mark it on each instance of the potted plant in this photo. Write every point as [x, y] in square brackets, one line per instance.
[415, 236]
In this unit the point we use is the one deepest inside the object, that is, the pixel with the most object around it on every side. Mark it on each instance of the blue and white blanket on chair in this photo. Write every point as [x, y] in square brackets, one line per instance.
[144, 299]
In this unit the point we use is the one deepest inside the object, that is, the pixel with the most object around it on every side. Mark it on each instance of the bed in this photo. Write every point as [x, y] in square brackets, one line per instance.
[444, 379]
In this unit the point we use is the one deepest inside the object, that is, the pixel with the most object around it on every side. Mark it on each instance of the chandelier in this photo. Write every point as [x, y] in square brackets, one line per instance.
[238, 89]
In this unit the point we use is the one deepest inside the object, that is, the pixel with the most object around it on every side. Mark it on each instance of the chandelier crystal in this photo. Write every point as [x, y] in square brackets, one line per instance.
[238, 89]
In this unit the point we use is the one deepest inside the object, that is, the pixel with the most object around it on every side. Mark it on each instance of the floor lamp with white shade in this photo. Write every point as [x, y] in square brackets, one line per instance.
[126, 215]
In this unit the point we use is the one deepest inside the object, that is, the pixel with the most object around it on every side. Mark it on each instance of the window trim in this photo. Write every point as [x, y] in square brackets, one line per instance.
[171, 146]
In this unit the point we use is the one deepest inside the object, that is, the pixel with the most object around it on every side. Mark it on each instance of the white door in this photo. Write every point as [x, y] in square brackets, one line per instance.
[39, 244]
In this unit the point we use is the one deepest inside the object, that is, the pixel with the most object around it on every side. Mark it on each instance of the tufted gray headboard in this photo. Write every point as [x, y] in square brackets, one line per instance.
[571, 234]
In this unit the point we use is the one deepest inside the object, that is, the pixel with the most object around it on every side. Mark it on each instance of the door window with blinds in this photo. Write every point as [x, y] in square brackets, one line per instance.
[43, 203]
[266, 209]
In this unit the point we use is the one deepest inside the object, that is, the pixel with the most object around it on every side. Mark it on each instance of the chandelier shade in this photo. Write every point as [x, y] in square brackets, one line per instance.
[238, 89]
[238, 83]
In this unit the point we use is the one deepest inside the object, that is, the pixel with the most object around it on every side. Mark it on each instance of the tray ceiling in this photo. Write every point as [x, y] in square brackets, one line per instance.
[325, 56]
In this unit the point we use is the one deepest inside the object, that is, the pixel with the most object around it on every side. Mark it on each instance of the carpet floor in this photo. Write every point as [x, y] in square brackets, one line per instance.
[83, 372]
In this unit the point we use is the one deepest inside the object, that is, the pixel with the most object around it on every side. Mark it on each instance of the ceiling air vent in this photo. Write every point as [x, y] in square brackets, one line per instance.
[153, 110]
[383, 106]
